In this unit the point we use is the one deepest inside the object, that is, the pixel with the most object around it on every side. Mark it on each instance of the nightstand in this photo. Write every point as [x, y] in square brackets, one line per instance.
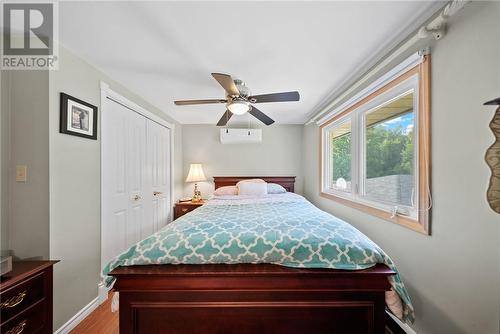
[26, 294]
[181, 208]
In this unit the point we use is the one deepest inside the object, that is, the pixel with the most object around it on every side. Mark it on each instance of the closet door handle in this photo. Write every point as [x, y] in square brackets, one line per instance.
[136, 198]
[157, 193]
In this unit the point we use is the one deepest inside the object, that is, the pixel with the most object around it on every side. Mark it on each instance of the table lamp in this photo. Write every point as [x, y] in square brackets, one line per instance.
[195, 175]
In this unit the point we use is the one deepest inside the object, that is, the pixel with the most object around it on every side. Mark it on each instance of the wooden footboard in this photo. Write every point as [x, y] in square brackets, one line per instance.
[247, 298]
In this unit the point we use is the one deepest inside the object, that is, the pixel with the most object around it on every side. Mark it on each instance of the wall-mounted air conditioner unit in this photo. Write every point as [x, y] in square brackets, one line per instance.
[240, 136]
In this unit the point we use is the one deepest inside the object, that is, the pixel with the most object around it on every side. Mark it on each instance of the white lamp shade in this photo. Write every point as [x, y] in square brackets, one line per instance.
[195, 173]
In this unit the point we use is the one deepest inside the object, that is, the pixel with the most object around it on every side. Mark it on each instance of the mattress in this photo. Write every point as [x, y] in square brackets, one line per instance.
[283, 229]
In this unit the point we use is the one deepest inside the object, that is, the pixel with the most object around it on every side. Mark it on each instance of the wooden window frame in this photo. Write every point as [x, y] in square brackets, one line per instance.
[422, 223]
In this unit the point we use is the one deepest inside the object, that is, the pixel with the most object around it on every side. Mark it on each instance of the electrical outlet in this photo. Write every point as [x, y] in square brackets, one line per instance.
[21, 173]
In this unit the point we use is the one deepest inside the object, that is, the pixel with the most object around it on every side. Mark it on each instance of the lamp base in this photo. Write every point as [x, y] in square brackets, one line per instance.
[196, 194]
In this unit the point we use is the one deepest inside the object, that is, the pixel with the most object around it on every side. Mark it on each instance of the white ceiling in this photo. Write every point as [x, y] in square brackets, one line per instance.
[165, 51]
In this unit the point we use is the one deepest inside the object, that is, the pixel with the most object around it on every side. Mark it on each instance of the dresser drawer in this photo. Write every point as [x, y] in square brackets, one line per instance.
[31, 320]
[21, 296]
[182, 209]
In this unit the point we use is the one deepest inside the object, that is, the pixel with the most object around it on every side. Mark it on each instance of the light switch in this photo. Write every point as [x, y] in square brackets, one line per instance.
[21, 173]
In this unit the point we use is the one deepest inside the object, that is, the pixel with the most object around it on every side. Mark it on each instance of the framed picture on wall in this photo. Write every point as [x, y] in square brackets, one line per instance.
[78, 118]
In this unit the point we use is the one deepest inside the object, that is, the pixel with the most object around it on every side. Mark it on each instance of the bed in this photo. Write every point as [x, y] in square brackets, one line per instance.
[231, 297]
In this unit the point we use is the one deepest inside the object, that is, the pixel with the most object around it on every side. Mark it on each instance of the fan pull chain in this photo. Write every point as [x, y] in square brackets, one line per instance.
[248, 123]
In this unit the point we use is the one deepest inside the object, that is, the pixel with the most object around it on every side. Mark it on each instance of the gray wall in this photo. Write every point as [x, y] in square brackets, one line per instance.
[75, 226]
[25, 141]
[452, 275]
[279, 154]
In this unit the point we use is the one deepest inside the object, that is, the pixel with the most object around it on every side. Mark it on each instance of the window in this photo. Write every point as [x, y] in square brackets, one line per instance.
[341, 157]
[375, 153]
[389, 152]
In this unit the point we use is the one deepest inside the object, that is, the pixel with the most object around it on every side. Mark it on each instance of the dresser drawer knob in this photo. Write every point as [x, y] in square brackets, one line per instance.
[14, 301]
[18, 329]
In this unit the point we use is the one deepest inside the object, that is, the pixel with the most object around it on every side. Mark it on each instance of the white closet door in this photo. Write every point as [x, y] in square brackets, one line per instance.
[139, 225]
[136, 185]
[114, 195]
[125, 199]
[159, 158]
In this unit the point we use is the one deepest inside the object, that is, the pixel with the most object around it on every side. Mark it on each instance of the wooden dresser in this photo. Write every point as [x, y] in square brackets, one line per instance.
[181, 208]
[26, 298]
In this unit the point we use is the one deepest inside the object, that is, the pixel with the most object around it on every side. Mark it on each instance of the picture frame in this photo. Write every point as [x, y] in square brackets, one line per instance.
[77, 117]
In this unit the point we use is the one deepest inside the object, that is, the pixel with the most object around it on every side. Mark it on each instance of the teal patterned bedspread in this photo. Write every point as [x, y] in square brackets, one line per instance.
[292, 233]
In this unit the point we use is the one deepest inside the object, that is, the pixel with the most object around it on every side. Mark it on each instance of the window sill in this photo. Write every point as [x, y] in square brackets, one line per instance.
[415, 225]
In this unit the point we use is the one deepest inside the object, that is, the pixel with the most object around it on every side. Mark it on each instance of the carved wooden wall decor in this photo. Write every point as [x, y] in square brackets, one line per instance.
[493, 160]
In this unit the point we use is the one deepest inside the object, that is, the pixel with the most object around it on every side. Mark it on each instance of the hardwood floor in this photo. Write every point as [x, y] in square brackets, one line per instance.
[101, 321]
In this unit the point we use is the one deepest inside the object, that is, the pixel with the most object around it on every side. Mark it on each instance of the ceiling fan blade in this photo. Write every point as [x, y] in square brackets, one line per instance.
[189, 102]
[275, 97]
[225, 118]
[227, 83]
[261, 116]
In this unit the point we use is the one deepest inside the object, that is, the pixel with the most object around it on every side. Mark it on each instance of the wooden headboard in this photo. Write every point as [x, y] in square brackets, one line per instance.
[286, 182]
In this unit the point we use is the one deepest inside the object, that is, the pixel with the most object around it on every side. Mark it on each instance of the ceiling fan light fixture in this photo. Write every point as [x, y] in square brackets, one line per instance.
[239, 107]
[239, 100]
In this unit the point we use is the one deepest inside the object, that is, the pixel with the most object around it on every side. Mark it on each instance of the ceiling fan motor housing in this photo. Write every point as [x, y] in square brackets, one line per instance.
[242, 88]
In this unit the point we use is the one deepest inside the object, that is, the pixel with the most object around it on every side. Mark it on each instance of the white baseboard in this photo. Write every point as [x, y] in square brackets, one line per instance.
[77, 318]
[103, 292]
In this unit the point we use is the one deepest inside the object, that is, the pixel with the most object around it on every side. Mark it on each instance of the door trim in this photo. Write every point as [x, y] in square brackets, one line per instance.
[108, 93]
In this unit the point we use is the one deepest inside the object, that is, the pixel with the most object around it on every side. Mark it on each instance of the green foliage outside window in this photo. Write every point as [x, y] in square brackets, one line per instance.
[341, 156]
[389, 151]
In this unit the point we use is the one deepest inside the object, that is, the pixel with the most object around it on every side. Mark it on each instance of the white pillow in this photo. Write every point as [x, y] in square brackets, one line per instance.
[252, 189]
[226, 190]
[250, 181]
[274, 188]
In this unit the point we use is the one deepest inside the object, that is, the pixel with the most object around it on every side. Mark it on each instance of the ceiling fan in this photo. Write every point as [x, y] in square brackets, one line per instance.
[239, 101]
